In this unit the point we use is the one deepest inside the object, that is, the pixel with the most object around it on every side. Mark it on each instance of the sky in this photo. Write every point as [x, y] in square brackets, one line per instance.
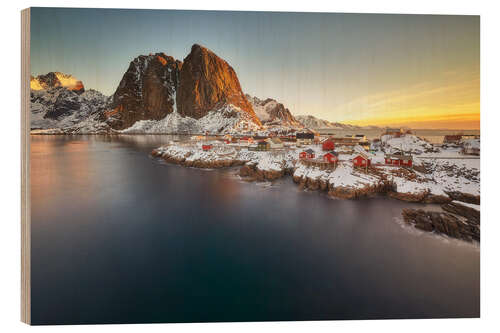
[420, 71]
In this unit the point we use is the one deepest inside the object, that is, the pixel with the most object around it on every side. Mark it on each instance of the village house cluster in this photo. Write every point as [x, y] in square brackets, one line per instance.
[469, 144]
[323, 151]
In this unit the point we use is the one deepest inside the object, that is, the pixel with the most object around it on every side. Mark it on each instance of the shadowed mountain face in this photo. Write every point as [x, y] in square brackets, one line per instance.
[147, 91]
[207, 83]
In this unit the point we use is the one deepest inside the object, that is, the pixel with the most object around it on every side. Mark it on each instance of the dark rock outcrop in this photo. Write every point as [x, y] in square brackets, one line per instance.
[456, 225]
[250, 172]
[424, 197]
[456, 208]
[465, 197]
[147, 91]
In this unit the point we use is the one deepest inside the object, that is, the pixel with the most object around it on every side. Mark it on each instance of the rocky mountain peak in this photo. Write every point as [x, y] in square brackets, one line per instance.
[56, 79]
[208, 82]
[147, 90]
[157, 85]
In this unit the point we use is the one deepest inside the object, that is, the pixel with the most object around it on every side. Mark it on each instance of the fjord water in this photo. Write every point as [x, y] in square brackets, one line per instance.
[119, 237]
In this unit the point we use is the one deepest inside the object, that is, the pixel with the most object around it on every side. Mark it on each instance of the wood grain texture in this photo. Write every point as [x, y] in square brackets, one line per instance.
[25, 169]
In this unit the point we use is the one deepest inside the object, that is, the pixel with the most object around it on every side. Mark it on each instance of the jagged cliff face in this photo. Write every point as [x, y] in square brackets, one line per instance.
[203, 94]
[270, 112]
[157, 85]
[147, 91]
[207, 82]
[56, 79]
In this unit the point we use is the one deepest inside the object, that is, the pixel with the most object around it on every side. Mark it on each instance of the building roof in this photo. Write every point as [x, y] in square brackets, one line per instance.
[399, 157]
[334, 153]
[304, 135]
[309, 151]
[363, 155]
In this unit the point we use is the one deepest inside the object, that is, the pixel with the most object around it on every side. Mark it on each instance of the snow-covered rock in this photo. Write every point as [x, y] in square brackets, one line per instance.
[60, 108]
[270, 112]
[408, 143]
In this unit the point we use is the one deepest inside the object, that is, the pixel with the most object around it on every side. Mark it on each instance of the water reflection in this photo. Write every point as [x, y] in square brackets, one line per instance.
[120, 237]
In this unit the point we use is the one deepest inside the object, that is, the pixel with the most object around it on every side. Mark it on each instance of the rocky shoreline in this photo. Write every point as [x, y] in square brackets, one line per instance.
[199, 163]
[343, 192]
[459, 217]
[457, 221]
[251, 172]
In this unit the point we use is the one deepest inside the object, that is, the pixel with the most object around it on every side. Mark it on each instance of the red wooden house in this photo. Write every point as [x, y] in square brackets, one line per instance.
[207, 147]
[309, 153]
[331, 157]
[399, 160]
[361, 160]
[328, 145]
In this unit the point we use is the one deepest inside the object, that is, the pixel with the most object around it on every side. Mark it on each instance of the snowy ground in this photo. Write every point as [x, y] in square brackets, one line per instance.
[440, 172]
[274, 160]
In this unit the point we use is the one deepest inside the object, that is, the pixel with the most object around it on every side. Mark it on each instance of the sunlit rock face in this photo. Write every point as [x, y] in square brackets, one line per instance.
[56, 79]
[147, 91]
[207, 83]
[156, 85]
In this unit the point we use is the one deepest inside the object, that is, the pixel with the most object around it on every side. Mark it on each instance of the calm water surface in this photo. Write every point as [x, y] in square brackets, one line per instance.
[119, 237]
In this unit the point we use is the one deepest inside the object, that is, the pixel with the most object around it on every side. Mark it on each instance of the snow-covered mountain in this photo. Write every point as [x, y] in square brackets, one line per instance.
[312, 122]
[159, 94]
[147, 91]
[68, 110]
[270, 112]
[157, 85]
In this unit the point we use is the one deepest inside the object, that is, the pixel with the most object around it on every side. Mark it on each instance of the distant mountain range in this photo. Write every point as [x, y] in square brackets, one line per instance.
[316, 124]
[159, 94]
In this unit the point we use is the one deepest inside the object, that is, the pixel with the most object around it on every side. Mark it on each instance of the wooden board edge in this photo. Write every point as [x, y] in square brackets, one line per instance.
[25, 168]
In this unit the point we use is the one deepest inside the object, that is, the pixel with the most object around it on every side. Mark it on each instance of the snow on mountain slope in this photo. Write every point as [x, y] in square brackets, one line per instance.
[62, 108]
[227, 119]
[270, 112]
